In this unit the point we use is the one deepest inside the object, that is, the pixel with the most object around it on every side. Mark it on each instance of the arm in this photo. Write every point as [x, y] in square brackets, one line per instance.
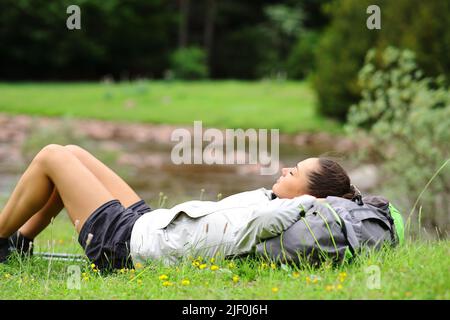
[271, 220]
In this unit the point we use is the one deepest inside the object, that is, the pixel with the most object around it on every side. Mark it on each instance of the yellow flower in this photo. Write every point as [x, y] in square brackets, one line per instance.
[263, 265]
[315, 280]
[202, 266]
[185, 282]
[132, 271]
[139, 281]
[195, 263]
[167, 283]
[274, 289]
[85, 278]
[273, 266]
[93, 266]
[339, 286]
[329, 287]
[163, 277]
[295, 274]
[7, 275]
[212, 260]
[138, 265]
[214, 268]
[235, 278]
[231, 265]
[199, 258]
[308, 280]
[342, 276]
[122, 270]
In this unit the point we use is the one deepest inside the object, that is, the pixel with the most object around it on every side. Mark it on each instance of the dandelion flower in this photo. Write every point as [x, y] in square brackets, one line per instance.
[185, 282]
[231, 265]
[235, 279]
[163, 277]
[342, 276]
[138, 265]
[212, 260]
[329, 288]
[339, 286]
[274, 289]
[139, 281]
[214, 268]
[7, 275]
[308, 280]
[273, 266]
[202, 266]
[167, 283]
[295, 274]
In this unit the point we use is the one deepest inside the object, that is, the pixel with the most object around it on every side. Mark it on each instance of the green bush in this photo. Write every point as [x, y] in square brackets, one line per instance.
[421, 26]
[189, 63]
[406, 116]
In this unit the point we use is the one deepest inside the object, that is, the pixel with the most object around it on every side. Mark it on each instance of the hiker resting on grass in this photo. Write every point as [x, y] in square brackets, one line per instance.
[117, 229]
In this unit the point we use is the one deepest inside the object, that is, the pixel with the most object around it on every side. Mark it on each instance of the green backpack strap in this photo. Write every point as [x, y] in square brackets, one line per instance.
[398, 223]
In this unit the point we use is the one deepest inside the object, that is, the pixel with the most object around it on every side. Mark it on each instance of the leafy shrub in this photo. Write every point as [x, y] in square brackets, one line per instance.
[406, 116]
[189, 63]
[422, 28]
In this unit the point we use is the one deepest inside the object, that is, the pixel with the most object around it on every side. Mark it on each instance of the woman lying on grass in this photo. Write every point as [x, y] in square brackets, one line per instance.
[116, 228]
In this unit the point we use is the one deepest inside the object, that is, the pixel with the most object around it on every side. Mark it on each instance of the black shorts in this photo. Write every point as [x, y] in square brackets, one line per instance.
[111, 225]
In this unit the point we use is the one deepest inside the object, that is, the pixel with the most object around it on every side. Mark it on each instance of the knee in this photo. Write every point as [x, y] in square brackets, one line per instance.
[49, 152]
[74, 149]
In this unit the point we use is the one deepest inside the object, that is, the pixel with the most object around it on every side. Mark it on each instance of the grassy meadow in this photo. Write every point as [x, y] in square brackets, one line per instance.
[288, 106]
[416, 270]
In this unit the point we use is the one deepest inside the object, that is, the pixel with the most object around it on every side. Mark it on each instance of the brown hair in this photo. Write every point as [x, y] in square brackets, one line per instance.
[330, 179]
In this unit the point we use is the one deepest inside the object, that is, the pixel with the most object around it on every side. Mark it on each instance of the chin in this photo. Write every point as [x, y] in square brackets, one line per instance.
[274, 187]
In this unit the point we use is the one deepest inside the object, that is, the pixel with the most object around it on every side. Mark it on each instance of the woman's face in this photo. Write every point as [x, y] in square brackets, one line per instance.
[294, 181]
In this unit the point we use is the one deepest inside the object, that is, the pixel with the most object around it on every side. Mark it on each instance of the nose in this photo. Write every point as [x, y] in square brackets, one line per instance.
[284, 171]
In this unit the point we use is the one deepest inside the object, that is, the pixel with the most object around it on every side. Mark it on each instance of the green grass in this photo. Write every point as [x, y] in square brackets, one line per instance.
[288, 106]
[417, 270]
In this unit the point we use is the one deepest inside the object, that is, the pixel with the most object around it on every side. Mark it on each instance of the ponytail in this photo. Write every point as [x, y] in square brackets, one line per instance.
[354, 194]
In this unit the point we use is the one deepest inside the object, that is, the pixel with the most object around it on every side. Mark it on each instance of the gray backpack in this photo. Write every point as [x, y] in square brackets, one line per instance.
[336, 228]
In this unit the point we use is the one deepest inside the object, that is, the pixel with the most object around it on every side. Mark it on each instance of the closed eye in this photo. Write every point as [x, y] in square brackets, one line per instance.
[290, 172]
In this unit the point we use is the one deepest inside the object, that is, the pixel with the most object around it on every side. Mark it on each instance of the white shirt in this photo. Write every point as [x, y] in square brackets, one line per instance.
[231, 226]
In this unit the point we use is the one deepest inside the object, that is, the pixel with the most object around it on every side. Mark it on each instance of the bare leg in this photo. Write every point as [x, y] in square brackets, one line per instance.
[54, 167]
[113, 183]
